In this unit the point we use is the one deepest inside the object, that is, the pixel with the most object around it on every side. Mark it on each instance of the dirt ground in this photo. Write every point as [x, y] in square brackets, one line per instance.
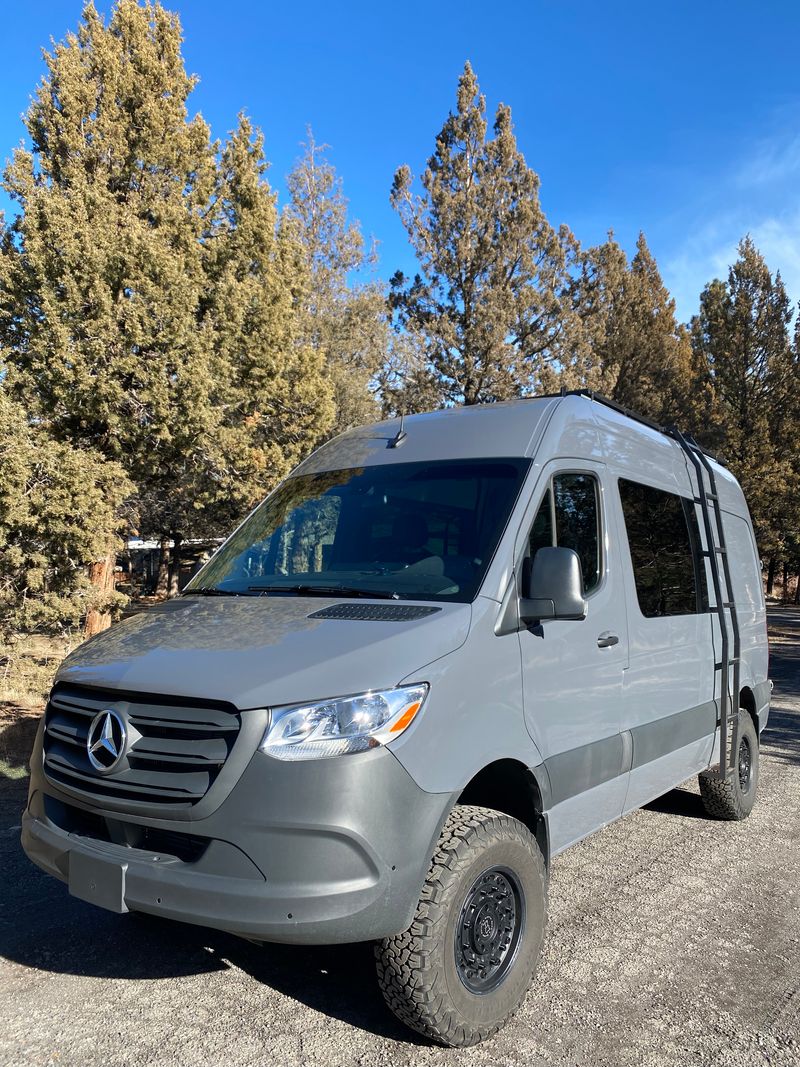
[673, 940]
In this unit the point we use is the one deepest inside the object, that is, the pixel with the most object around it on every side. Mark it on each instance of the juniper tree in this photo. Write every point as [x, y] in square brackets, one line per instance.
[626, 342]
[492, 269]
[270, 382]
[742, 334]
[59, 508]
[345, 322]
[98, 312]
[406, 381]
[653, 351]
[587, 348]
[104, 276]
[110, 324]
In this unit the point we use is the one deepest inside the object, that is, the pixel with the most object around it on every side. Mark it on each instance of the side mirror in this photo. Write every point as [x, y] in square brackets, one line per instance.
[552, 586]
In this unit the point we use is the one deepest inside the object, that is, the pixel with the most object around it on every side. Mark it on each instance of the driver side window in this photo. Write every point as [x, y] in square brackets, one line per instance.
[569, 517]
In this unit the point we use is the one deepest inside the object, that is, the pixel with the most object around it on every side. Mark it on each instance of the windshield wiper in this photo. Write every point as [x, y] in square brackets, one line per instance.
[325, 590]
[210, 591]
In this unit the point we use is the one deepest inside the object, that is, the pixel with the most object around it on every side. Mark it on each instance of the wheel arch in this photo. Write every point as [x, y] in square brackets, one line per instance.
[747, 700]
[507, 785]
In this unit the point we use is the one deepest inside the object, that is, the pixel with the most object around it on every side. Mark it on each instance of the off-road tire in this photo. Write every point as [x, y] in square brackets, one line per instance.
[417, 969]
[733, 800]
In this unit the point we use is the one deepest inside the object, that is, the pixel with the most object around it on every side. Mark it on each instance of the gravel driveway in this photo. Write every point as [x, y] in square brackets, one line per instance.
[673, 940]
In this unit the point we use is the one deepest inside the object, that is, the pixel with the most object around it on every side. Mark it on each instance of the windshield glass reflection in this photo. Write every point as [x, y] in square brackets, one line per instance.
[420, 531]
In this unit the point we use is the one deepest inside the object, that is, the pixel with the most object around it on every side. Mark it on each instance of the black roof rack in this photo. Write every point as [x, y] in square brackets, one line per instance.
[598, 398]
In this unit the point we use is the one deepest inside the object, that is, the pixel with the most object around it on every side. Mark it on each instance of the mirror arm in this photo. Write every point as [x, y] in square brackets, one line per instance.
[539, 609]
[532, 610]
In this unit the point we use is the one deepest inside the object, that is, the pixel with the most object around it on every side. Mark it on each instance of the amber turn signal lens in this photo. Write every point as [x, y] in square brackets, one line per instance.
[405, 718]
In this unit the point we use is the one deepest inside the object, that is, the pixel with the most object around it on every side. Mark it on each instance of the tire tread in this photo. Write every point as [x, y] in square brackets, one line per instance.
[410, 986]
[721, 797]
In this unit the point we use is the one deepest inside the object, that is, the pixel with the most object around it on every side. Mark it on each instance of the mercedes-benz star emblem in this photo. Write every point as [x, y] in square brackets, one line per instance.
[105, 743]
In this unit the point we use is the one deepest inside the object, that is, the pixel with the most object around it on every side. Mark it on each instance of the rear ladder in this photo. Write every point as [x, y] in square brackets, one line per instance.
[724, 604]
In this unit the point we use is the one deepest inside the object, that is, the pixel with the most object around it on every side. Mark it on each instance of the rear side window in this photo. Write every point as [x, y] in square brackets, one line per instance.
[569, 516]
[664, 542]
[745, 564]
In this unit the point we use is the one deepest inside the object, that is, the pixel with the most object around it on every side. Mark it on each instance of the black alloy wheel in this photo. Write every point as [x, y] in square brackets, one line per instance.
[462, 967]
[745, 764]
[733, 794]
[489, 929]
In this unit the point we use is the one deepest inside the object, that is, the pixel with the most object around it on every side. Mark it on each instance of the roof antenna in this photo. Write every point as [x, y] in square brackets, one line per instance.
[401, 434]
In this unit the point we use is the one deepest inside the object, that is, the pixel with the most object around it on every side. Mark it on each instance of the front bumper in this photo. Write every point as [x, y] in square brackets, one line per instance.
[315, 852]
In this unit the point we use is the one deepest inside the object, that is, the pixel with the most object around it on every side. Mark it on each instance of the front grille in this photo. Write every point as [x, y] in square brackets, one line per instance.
[95, 827]
[174, 752]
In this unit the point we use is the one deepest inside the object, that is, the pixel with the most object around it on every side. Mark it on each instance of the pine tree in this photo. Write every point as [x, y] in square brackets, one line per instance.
[626, 341]
[492, 269]
[742, 335]
[406, 382]
[346, 323]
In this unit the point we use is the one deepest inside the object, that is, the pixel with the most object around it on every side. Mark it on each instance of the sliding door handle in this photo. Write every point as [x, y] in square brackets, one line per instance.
[607, 639]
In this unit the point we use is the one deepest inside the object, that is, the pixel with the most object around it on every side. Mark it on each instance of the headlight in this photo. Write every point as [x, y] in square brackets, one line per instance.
[342, 725]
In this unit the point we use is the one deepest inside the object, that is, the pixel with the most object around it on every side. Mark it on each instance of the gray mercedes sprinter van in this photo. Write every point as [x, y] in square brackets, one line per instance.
[434, 657]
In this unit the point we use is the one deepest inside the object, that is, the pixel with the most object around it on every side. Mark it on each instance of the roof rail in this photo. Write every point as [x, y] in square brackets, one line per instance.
[598, 398]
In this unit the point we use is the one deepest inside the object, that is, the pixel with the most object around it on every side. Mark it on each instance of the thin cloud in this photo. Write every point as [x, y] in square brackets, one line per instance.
[773, 162]
[760, 197]
[711, 251]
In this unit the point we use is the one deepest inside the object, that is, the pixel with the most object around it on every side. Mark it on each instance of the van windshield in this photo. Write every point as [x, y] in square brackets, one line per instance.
[409, 531]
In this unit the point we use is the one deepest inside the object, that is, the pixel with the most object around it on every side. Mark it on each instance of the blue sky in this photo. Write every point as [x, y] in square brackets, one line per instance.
[681, 119]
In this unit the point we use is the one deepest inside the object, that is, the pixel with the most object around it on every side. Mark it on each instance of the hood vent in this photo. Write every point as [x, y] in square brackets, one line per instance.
[375, 612]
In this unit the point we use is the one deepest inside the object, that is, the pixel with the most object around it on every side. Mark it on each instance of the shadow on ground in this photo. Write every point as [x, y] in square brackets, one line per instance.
[42, 927]
[679, 802]
[781, 739]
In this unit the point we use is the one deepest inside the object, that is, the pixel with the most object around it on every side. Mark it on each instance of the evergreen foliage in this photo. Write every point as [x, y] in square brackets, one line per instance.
[742, 335]
[270, 395]
[345, 322]
[149, 297]
[59, 508]
[172, 343]
[407, 382]
[487, 299]
[623, 339]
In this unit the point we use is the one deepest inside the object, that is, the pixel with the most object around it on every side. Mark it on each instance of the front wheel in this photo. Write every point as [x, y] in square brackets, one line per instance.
[464, 965]
[734, 798]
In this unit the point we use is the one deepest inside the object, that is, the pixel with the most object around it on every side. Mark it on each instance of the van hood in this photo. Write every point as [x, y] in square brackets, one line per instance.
[264, 651]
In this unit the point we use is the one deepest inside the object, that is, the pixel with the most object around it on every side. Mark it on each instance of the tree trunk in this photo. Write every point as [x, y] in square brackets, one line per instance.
[162, 577]
[773, 563]
[175, 566]
[785, 582]
[797, 591]
[101, 575]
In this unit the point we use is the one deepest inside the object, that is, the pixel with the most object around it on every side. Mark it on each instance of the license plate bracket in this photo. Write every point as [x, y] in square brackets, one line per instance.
[98, 880]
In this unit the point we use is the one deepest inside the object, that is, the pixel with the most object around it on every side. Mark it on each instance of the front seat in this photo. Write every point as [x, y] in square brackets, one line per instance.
[409, 537]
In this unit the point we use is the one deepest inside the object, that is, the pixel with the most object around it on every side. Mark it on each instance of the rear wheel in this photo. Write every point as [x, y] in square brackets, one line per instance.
[464, 965]
[734, 799]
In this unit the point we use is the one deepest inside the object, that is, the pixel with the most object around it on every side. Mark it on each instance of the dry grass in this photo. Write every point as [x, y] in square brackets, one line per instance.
[27, 666]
